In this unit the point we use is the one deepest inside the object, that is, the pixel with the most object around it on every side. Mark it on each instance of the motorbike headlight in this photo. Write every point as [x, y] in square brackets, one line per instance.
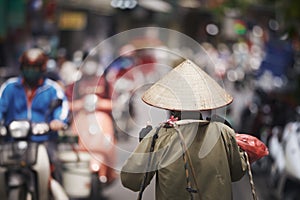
[90, 102]
[95, 167]
[103, 179]
[19, 129]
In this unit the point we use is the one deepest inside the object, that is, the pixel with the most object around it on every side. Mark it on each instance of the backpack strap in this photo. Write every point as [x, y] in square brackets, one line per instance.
[188, 163]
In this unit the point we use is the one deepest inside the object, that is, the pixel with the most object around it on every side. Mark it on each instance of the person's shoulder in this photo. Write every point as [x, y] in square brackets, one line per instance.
[221, 124]
[10, 82]
[52, 83]
[224, 128]
[14, 79]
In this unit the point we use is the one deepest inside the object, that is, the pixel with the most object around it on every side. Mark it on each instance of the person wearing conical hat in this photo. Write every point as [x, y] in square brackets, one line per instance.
[192, 158]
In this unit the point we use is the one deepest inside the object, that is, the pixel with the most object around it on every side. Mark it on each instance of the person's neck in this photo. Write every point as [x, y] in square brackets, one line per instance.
[32, 86]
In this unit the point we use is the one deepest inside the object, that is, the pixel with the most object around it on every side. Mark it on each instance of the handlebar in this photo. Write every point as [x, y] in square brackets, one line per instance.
[19, 129]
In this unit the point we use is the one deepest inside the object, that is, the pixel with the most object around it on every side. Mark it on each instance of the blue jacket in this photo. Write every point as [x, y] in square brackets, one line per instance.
[14, 105]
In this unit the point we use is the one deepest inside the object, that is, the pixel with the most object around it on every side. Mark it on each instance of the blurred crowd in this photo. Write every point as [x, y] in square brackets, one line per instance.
[260, 68]
[263, 58]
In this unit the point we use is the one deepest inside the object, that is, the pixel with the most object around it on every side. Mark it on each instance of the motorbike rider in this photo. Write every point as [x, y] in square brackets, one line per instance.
[29, 95]
[92, 83]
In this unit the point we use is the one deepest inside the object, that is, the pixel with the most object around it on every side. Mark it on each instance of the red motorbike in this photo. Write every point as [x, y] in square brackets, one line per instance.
[89, 162]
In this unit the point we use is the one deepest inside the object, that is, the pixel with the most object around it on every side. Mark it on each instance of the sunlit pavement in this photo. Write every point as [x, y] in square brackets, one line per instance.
[116, 191]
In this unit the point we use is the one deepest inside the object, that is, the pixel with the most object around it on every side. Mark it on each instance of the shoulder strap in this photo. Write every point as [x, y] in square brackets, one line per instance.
[187, 161]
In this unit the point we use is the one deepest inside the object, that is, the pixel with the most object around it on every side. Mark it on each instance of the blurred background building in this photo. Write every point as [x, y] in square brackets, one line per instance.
[77, 24]
[245, 38]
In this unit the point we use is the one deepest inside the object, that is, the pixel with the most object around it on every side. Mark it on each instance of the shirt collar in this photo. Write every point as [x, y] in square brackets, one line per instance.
[21, 82]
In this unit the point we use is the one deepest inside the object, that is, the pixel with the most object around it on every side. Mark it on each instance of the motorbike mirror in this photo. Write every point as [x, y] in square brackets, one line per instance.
[3, 131]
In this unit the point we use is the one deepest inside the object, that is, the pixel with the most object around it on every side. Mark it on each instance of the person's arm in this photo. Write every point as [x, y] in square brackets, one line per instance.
[236, 158]
[74, 104]
[104, 104]
[4, 100]
[61, 113]
[134, 169]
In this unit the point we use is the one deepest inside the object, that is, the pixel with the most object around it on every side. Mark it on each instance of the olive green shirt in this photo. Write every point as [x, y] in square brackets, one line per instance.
[215, 157]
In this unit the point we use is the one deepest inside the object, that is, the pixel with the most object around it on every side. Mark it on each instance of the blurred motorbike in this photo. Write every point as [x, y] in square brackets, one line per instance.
[123, 110]
[284, 148]
[89, 163]
[267, 114]
[25, 171]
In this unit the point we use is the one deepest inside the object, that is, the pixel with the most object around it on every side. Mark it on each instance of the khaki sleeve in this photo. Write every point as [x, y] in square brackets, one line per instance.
[134, 168]
[236, 158]
[133, 181]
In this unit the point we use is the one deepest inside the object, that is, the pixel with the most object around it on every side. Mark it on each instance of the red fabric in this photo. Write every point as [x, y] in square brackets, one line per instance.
[255, 148]
[88, 85]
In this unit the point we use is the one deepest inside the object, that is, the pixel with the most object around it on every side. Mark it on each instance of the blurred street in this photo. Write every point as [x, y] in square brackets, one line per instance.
[121, 47]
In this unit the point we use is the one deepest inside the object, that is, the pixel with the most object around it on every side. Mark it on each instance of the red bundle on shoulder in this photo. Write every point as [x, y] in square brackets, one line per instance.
[254, 147]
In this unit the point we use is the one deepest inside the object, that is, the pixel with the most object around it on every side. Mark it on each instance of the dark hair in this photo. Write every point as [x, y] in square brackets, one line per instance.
[34, 56]
[186, 114]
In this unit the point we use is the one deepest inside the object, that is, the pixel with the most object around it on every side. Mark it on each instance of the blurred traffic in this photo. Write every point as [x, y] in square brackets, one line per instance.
[104, 54]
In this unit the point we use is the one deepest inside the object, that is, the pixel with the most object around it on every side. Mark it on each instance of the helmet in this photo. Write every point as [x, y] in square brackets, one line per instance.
[33, 65]
[90, 68]
[34, 57]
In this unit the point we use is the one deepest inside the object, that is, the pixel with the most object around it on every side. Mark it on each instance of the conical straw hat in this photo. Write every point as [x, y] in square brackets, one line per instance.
[187, 88]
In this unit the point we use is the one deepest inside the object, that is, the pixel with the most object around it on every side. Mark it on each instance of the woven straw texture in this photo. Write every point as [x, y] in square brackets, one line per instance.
[187, 88]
